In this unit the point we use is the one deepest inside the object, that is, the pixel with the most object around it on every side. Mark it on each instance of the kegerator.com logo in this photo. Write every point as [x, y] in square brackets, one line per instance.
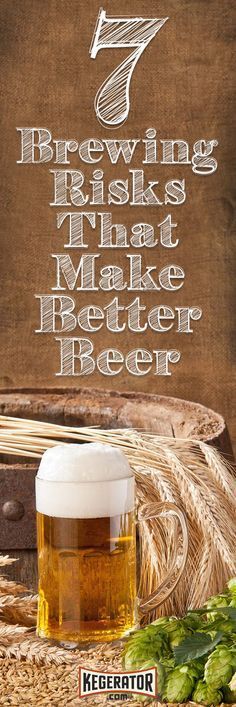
[139, 682]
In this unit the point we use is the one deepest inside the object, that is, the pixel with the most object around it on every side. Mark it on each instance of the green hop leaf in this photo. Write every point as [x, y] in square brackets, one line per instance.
[219, 667]
[227, 611]
[195, 646]
[179, 684]
[206, 694]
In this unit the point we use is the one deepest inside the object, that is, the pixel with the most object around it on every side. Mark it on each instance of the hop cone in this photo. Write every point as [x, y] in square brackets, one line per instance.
[227, 625]
[217, 601]
[214, 602]
[192, 621]
[219, 667]
[206, 694]
[144, 645]
[197, 667]
[162, 622]
[175, 630]
[179, 684]
[232, 586]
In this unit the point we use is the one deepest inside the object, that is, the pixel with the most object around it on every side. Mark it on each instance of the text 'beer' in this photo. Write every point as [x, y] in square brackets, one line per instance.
[86, 544]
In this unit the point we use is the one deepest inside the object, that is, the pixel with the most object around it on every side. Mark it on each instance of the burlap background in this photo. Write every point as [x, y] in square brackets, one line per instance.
[183, 85]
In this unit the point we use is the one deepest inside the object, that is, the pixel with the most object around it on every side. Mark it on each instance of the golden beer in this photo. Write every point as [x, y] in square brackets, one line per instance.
[87, 587]
[86, 544]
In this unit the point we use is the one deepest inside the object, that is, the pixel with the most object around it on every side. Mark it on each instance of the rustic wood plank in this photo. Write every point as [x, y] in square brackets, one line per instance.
[114, 409]
[17, 484]
[25, 570]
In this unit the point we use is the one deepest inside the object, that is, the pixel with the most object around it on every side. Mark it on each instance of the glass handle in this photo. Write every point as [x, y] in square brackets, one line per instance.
[165, 589]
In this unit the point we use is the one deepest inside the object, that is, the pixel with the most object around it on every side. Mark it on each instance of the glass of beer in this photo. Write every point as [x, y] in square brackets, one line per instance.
[86, 527]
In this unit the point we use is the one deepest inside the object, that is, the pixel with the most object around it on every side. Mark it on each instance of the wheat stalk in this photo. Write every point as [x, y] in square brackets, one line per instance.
[15, 609]
[11, 631]
[6, 560]
[36, 651]
[8, 586]
[219, 471]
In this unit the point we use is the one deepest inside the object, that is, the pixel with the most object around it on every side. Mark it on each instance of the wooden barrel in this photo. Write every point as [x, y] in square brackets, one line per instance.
[77, 407]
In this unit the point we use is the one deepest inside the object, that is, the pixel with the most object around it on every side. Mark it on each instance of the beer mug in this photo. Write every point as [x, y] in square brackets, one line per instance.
[86, 526]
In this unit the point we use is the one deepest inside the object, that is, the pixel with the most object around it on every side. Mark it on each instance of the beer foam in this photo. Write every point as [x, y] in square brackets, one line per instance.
[84, 481]
[83, 462]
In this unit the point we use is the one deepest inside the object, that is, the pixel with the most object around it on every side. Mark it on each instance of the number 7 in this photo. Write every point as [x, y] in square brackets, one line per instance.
[112, 101]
